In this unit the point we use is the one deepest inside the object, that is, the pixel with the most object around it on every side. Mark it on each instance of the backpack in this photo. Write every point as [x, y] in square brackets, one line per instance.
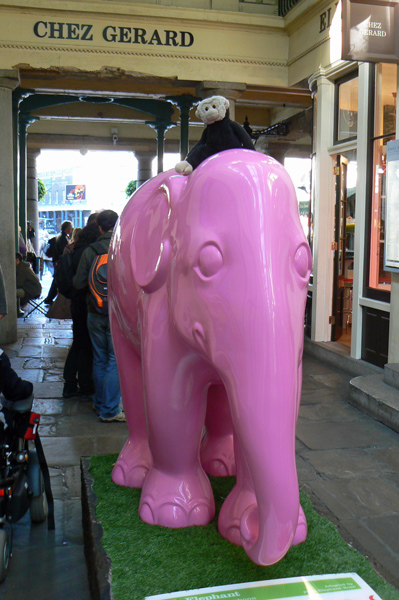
[64, 274]
[49, 249]
[98, 283]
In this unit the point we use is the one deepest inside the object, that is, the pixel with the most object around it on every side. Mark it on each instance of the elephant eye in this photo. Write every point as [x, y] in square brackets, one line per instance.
[207, 108]
[210, 261]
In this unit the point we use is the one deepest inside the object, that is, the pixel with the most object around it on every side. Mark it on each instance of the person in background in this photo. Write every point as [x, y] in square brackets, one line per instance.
[107, 397]
[46, 264]
[21, 242]
[30, 233]
[30, 251]
[78, 368]
[62, 240]
[3, 298]
[74, 238]
[28, 283]
[11, 386]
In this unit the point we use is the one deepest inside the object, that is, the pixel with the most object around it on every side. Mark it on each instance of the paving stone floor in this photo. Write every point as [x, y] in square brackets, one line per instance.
[347, 462]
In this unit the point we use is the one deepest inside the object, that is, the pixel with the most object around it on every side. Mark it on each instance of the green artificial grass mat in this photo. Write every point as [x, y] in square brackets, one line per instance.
[149, 560]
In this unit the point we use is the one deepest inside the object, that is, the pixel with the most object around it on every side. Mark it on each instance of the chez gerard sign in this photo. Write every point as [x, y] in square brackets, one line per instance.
[370, 30]
[112, 34]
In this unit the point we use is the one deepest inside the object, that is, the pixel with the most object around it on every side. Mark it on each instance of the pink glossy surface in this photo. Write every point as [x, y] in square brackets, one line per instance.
[208, 280]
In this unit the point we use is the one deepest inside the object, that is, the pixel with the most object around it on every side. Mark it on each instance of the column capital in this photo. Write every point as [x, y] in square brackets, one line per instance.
[231, 90]
[25, 119]
[318, 78]
[142, 154]
[160, 125]
[184, 102]
[33, 153]
[9, 79]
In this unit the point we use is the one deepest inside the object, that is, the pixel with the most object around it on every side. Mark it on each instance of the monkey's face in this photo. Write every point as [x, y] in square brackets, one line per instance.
[212, 109]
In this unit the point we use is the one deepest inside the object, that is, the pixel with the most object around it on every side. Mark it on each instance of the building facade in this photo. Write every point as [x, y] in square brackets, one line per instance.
[126, 75]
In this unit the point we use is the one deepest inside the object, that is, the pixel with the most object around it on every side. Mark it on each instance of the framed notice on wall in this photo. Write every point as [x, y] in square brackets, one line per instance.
[370, 30]
[391, 245]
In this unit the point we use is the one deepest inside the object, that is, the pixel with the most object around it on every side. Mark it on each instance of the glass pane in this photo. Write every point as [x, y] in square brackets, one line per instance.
[347, 109]
[385, 100]
[300, 172]
[378, 278]
[351, 180]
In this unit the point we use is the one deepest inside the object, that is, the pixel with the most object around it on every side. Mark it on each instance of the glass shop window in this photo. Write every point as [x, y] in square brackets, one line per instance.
[384, 131]
[300, 172]
[347, 108]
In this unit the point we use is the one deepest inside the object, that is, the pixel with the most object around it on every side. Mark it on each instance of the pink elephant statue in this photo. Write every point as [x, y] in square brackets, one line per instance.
[208, 278]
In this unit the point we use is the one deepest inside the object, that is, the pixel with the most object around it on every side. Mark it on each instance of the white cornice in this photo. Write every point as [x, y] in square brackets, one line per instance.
[151, 12]
[338, 69]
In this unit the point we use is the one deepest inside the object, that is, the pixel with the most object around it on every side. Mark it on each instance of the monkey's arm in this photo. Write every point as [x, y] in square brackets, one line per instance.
[242, 136]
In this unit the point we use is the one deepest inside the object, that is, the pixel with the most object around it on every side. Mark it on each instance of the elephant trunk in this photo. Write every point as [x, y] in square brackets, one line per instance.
[264, 415]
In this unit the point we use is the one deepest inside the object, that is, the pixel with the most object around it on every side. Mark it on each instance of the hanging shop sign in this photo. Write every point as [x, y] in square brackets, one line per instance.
[370, 30]
[391, 242]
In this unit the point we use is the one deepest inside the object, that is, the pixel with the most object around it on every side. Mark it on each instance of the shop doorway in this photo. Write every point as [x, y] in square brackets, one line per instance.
[344, 239]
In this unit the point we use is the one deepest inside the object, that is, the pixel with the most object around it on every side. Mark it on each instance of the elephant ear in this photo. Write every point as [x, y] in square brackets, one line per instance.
[150, 247]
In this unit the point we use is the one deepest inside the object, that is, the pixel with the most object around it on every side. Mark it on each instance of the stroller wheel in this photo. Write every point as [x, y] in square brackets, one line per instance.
[38, 505]
[4, 554]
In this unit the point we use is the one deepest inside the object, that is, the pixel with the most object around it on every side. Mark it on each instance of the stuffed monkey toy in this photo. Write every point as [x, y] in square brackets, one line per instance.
[220, 133]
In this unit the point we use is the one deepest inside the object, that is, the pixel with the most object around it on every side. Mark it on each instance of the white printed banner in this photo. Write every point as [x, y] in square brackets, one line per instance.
[345, 586]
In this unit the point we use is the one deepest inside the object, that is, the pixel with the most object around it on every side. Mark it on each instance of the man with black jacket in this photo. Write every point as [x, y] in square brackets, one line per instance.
[61, 241]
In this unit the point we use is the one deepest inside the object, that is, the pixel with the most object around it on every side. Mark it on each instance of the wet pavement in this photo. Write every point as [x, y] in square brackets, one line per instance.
[347, 462]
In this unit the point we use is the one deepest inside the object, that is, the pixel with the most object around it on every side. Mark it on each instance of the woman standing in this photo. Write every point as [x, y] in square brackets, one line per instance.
[78, 369]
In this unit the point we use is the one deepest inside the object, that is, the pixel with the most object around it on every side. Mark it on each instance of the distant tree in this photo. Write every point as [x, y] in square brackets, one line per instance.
[41, 190]
[130, 188]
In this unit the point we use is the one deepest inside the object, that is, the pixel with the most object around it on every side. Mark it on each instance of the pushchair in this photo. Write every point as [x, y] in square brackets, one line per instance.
[24, 476]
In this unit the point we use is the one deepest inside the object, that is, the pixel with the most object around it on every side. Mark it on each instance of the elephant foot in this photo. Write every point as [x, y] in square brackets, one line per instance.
[173, 501]
[217, 456]
[230, 515]
[132, 466]
[301, 529]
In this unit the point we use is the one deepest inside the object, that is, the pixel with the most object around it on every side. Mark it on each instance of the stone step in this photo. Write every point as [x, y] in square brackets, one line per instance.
[391, 375]
[375, 398]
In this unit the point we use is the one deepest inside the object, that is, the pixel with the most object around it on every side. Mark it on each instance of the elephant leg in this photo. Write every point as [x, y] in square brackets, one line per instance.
[302, 527]
[134, 460]
[217, 448]
[176, 492]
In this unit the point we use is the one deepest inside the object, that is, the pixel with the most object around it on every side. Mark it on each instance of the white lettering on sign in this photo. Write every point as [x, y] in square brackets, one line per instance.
[372, 28]
[215, 596]
[373, 32]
